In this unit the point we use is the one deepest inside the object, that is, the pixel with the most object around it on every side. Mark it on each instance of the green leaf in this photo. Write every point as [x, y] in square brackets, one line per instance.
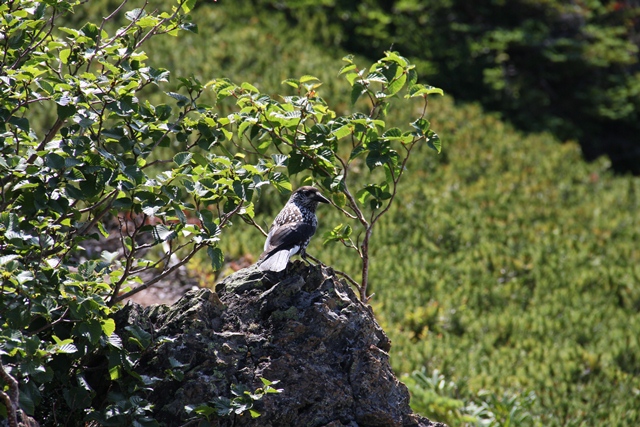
[396, 85]
[297, 163]
[380, 154]
[206, 217]
[343, 131]
[64, 55]
[279, 160]
[115, 341]
[249, 87]
[421, 126]
[141, 337]
[347, 68]
[348, 58]
[375, 194]
[90, 330]
[412, 77]
[114, 373]
[281, 182]
[188, 5]
[305, 79]
[292, 82]
[67, 348]
[339, 199]
[182, 158]
[339, 233]
[135, 14]
[108, 327]
[356, 92]
[217, 258]
[182, 100]
[162, 234]
[393, 133]
[54, 161]
[433, 141]
[423, 90]
[376, 76]
[66, 110]
[394, 57]
[266, 382]
[21, 123]
[5, 259]
[28, 394]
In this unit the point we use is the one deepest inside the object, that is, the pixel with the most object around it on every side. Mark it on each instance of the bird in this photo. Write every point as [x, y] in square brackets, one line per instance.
[292, 229]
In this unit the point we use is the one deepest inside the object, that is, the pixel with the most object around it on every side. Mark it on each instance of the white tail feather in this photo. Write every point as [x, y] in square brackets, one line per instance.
[279, 260]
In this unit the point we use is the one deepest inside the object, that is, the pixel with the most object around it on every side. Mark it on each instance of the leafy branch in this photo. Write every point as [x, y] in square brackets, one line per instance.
[304, 135]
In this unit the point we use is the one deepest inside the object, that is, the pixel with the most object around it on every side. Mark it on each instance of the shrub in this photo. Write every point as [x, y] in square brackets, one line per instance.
[163, 180]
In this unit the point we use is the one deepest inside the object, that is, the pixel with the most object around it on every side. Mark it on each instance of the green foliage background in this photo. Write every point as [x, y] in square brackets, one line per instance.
[509, 265]
[572, 68]
[508, 273]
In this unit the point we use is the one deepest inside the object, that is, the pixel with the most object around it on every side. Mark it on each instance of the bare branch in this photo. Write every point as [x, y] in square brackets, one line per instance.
[254, 223]
[159, 277]
[338, 272]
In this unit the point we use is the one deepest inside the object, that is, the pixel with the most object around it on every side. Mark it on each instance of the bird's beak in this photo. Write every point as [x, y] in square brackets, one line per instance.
[320, 198]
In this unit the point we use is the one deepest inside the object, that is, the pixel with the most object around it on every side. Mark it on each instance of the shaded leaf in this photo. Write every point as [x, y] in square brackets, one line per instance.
[356, 92]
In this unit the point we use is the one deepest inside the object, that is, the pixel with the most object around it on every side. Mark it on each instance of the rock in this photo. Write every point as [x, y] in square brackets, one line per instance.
[302, 327]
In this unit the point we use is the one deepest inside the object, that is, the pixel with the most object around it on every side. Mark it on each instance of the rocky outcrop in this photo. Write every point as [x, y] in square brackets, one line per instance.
[302, 327]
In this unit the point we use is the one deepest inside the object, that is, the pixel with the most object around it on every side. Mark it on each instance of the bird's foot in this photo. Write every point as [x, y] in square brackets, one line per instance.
[303, 255]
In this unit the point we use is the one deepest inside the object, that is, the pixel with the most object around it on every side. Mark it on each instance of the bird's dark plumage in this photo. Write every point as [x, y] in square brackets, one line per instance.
[292, 229]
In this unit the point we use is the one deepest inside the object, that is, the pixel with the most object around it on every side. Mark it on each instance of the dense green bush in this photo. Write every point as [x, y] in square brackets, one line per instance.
[85, 173]
[161, 181]
[524, 276]
[508, 266]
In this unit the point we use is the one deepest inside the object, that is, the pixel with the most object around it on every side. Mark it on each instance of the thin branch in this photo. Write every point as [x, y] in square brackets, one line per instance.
[99, 215]
[47, 138]
[129, 254]
[161, 276]
[228, 216]
[196, 247]
[104, 21]
[338, 272]
[395, 184]
[52, 324]
[34, 47]
[255, 224]
[352, 201]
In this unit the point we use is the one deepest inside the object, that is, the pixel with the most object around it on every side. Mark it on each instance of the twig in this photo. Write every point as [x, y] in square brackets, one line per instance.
[52, 324]
[338, 272]
[255, 224]
[99, 215]
[156, 279]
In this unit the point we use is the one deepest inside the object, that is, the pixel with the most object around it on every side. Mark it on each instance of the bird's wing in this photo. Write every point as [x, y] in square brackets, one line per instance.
[268, 240]
[286, 237]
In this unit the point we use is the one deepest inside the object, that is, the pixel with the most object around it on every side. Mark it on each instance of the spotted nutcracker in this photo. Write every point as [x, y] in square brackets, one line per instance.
[292, 229]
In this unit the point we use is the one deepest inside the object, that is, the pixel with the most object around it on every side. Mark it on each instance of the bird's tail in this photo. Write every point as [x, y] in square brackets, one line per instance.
[276, 262]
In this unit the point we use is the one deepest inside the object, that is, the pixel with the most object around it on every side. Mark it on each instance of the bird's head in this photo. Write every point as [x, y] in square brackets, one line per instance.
[308, 196]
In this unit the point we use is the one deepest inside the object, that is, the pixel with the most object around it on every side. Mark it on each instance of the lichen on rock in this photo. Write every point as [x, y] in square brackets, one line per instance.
[302, 327]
